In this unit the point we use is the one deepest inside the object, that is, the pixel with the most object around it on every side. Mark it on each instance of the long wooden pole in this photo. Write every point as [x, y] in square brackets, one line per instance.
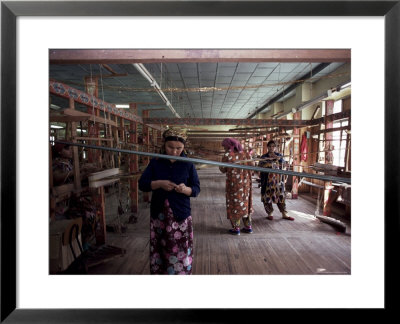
[202, 161]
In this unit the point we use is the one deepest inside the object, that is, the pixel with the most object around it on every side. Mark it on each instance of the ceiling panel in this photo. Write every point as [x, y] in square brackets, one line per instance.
[241, 76]
[226, 71]
[246, 67]
[250, 84]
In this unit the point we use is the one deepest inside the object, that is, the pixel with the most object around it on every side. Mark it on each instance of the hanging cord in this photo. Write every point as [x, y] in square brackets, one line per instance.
[279, 80]
[91, 80]
[311, 79]
[161, 77]
[102, 93]
[279, 76]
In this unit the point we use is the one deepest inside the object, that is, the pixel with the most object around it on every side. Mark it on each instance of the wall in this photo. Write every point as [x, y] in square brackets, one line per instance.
[309, 91]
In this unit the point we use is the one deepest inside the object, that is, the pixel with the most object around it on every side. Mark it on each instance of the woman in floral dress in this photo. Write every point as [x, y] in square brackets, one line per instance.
[172, 184]
[238, 187]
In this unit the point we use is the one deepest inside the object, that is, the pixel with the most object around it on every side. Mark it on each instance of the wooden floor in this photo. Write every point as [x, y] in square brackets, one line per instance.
[303, 246]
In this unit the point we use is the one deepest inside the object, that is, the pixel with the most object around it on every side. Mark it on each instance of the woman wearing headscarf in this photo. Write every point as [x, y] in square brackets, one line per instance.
[172, 184]
[238, 187]
[273, 184]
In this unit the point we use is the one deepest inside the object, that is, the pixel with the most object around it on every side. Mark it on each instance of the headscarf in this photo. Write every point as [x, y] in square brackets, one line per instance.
[175, 134]
[232, 144]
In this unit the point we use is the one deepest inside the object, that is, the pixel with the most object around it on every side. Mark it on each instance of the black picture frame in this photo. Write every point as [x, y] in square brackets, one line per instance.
[10, 10]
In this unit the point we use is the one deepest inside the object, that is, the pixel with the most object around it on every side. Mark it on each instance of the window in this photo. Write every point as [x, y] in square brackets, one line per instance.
[333, 147]
[337, 106]
[339, 139]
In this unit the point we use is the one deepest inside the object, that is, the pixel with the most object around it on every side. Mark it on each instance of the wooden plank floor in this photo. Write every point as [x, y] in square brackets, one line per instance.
[303, 246]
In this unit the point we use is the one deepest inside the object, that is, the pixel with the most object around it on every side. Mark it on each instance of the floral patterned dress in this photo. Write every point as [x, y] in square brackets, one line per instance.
[171, 244]
[238, 187]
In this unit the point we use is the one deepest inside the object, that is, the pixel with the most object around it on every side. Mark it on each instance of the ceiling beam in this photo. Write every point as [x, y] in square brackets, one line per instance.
[187, 122]
[129, 56]
[228, 121]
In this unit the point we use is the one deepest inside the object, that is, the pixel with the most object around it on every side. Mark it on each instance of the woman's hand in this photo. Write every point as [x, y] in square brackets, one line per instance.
[181, 188]
[222, 169]
[163, 184]
[273, 156]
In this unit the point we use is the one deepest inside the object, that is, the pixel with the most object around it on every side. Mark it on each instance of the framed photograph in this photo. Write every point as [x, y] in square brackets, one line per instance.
[29, 28]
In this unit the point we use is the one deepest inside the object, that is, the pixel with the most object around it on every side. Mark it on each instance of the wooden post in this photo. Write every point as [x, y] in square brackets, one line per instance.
[76, 170]
[146, 160]
[122, 129]
[133, 165]
[108, 134]
[264, 146]
[151, 140]
[146, 136]
[117, 145]
[159, 139]
[347, 157]
[91, 87]
[296, 155]
[51, 184]
[328, 136]
[122, 137]
[98, 142]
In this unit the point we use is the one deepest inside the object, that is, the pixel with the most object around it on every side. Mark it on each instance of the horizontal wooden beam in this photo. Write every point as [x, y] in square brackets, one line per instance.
[103, 174]
[93, 118]
[82, 138]
[215, 136]
[67, 119]
[206, 140]
[245, 122]
[227, 121]
[336, 129]
[208, 132]
[71, 115]
[128, 56]
[65, 91]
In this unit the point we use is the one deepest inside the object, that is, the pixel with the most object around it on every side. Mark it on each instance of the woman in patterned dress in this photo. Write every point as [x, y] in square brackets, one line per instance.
[172, 184]
[238, 187]
[273, 184]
